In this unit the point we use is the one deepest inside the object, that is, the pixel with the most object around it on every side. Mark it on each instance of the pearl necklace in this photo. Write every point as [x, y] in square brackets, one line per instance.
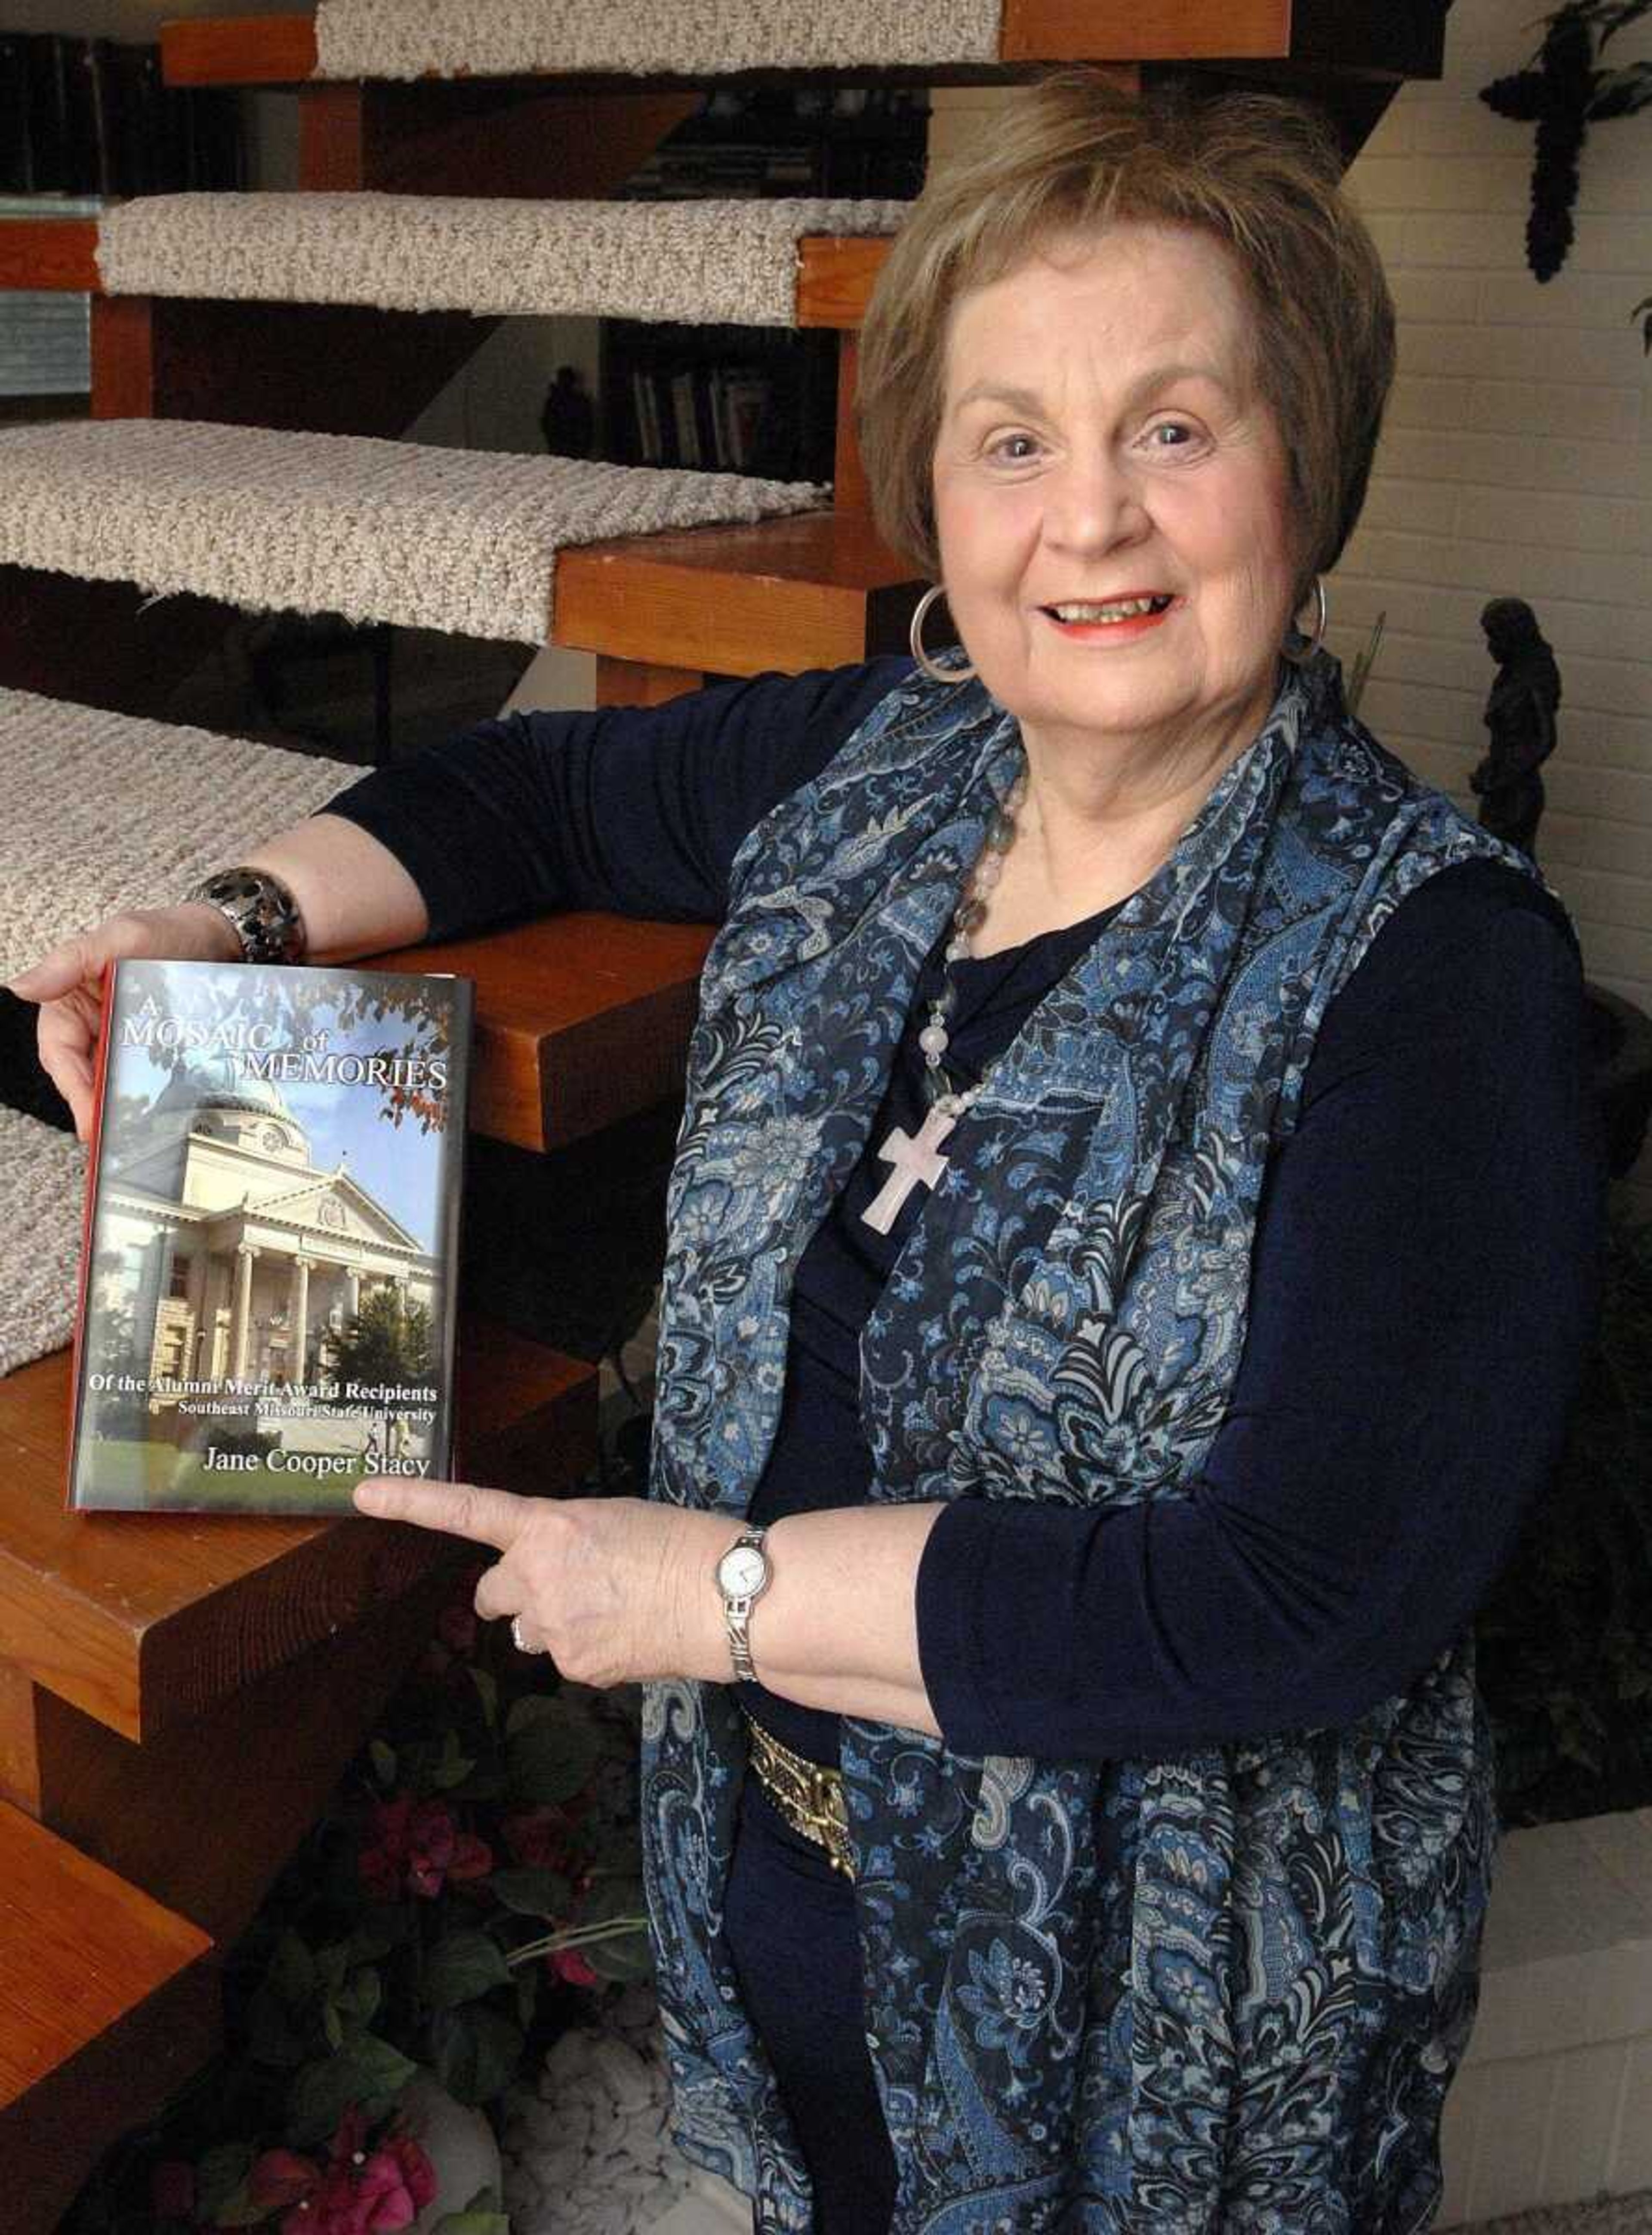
[934, 1039]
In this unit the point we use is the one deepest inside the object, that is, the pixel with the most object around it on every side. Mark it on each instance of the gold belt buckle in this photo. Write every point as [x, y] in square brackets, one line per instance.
[808, 1794]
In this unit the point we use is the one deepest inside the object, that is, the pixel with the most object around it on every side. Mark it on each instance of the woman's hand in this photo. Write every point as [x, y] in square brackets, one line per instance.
[68, 984]
[616, 1589]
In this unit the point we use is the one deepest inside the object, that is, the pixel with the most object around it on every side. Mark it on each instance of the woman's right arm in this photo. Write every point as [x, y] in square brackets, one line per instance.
[639, 809]
[353, 895]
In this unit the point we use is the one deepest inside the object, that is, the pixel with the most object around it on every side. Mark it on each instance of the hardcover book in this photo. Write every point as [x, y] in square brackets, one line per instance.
[268, 1286]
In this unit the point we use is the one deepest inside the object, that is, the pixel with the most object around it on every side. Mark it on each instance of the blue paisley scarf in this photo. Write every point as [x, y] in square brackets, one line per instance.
[1217, 1994]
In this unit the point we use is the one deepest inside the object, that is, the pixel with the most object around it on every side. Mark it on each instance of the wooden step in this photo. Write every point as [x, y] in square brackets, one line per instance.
[834, 278]
[285, 50]
[145, 1622]
[108, 2002]
[583, 1018]
[817, 590]
[716, 262]
[423, 537]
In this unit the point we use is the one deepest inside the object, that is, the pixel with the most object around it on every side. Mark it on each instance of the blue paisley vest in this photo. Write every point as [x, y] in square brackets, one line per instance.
[1223, 1992]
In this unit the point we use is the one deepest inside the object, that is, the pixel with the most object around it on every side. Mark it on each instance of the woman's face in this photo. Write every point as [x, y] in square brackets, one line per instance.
[1102, 439]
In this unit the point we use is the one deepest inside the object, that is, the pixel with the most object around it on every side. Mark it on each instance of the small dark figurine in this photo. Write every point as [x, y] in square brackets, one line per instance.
[567, 419]
[1520, 715]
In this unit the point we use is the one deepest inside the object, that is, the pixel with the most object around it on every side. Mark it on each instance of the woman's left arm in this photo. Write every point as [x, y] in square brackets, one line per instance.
[618, 1590]
[1424, 1281]
[1425, 1276]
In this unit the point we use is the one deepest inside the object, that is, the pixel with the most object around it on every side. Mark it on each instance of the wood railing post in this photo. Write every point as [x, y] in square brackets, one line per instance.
[123, 356]
[849, 490]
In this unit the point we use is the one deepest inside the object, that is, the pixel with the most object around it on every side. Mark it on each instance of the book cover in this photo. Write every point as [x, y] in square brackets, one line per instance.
[270, 1274]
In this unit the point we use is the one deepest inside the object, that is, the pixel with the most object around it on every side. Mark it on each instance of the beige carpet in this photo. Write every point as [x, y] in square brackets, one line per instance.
[707, 263]
[106, 811]
[691, 38]
[464, 540]
[43, 1189]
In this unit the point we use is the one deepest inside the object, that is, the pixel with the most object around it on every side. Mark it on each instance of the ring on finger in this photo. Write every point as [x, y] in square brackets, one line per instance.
[518, 1637]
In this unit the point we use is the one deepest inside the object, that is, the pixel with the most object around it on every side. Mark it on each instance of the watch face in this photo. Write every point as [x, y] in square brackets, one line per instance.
[742, 1570]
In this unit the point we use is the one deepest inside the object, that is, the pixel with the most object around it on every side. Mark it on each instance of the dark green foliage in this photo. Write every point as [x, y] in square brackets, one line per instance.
[1564, 1644]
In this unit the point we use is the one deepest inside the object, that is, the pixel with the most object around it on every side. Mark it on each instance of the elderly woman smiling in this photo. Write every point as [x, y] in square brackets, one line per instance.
[1132, 1239]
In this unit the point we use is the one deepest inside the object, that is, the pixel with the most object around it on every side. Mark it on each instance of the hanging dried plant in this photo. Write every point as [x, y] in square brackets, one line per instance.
[1563, 91]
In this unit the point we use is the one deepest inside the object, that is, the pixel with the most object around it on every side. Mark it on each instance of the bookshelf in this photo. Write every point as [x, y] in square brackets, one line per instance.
[752, 400]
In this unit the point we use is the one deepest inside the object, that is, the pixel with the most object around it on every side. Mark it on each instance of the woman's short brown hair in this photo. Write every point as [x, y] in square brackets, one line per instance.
[1070, 155]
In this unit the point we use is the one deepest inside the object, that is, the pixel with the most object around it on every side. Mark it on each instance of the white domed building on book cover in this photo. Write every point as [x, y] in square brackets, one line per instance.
[268, 1284]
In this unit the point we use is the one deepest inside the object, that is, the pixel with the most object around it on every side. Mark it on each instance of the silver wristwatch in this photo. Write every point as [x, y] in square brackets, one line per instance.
[260, 910]
[742, 1577]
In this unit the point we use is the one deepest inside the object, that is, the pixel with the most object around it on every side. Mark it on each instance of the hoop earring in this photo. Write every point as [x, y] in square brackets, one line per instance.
[1304, 648]
[914, 638]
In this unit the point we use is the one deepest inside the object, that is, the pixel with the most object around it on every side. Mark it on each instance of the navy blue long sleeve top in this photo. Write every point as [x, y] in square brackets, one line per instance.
[1425, 1271]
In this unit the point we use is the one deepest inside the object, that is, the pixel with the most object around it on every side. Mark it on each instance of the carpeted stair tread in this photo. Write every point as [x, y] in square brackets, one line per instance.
[461, 541]
[701, 263]
[688, 38]
[113, 811]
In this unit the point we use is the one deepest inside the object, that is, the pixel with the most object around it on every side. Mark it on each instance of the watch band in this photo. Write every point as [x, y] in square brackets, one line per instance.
[260, 910]
[737, 1606]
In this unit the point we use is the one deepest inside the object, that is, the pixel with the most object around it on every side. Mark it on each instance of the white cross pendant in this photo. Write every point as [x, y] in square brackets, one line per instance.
[914, 1160]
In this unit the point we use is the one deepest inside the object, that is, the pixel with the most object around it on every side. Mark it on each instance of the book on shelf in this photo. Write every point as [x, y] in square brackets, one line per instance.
[269, 1276]
[93, 116]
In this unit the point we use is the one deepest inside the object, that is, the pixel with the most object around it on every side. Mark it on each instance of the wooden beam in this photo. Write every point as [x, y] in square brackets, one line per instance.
[1395, 39]
[50, 255]
[817, 590]
[239, 49]
[1144, 30]
[334, 143]
[850, 491]
[835, 283]
[583, 1018]
[518, 138]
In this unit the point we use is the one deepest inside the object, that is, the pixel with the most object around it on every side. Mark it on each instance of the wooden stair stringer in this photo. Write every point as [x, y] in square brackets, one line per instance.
[108, 2002]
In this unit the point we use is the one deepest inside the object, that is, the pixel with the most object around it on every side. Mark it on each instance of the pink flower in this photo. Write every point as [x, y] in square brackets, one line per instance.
[418, 2174]
[280, 2177]
[544, 1839]
[569, 1964]
[350, 2141]
[419, 1848]
[356, 2193]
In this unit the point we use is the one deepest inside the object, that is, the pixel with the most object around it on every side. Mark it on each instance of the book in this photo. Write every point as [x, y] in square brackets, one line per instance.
[17, 139]
[269, 1276]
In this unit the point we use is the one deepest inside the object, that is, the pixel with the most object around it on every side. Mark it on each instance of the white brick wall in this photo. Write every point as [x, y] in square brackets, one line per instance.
[1517, 461]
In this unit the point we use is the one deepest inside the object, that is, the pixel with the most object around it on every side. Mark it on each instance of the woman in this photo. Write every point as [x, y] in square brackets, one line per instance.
[1132, 1125]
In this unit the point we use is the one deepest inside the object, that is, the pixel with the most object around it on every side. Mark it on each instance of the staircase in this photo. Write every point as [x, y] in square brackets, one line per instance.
[257, 359]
